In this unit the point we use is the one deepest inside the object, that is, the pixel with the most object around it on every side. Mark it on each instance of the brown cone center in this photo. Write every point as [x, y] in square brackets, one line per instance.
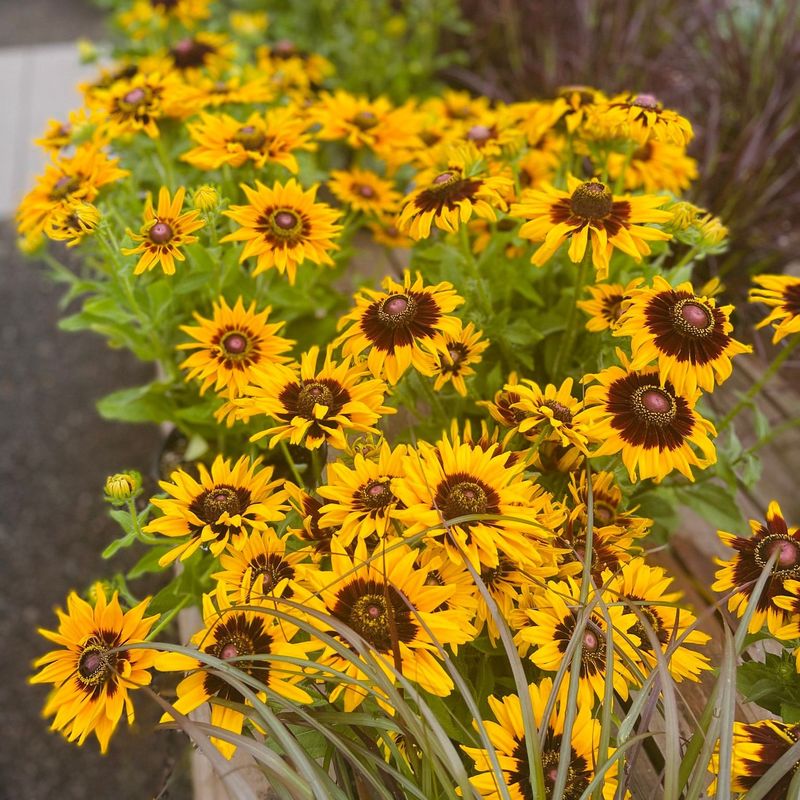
[396, 305]
[285, 220]
[443, 177]
[229, 651]
[591, 200]
[656, 401]
[160, 233]
[234, 343]
[479, 133]
[134, 96]
[787, 552]
[696, 315]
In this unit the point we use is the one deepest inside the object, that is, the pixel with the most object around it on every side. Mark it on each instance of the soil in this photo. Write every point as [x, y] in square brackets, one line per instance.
[56, 452]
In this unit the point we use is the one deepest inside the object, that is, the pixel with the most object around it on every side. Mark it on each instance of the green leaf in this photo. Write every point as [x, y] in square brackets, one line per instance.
[149, 561]
[715, 503]
[139, 404]
[118, 544]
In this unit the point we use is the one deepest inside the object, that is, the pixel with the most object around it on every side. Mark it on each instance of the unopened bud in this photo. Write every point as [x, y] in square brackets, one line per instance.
[123, 486]
[205, 198]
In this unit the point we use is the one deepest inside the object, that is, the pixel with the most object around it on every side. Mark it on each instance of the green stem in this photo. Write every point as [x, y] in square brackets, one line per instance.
[756, 388]
[570, 330]
[472, 266]
[168, 616]
[166, 161]
[290, 463]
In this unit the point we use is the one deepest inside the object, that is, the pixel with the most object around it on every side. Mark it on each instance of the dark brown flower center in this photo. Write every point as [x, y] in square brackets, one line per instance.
[466, 498]
[64, 187]
[95, 664]
[654, 405]
[376, 494]
[479, 134]
[590, 640]
[560, 411]
[218, 501]
[284, 48]
[165, 4]
[365, 120]
[250, 138]
[363, 190]
[160, 233]
[285, 223]
[135, 96]
[788, 552]
[591, 200]
[369, 619]
[229, 650]
[191, 53]
[604, 513]
[693, 318]
[648, 101]
[397, 311]
[312, 394]
[235, 344]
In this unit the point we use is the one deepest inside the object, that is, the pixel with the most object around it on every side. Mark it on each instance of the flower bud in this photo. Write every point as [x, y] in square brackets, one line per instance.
[205, 198]
[123, 486]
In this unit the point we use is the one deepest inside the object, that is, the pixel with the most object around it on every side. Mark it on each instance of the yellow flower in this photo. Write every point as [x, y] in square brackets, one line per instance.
[507, 737]
[316, 405]
[66, 182]
[263, 138]
[688, 336]
[164, 232]
[454, 356]
[385, 597]
[92, 671]
[642, 117]
[590, 208]
[607, 303]
[360, 501]
[205, 198]
[242, 631]
[365, 191]
[397, 324]
[231, 346]
[782, 292]
[654, 427]
[654, 167]
[222, 506]
[752, 555]
[72, 223]
[450, 195]
[283, 227]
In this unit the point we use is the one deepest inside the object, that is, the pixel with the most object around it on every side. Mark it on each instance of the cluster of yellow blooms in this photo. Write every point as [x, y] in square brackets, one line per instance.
[392, 540]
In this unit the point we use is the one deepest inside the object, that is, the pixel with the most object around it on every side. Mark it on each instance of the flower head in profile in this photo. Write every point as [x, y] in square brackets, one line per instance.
[642, 117]
[506, 733]
[92, 671]
[449, 195]
[773, 537]
[399, 324]
[166, 229]
[654, 427]
[607, 303]
[72, 223]
[312, 405]
[220, 506]
[283, 227]
[687, 336]
[654, 167]
[384, 596]
[231, 345]
[66, 182]
[238, 629]
[590, 215]
[782, 293]
[455, 355]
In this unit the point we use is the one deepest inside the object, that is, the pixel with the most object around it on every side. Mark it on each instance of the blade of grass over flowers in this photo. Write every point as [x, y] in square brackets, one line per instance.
[599, 779]
[672, 748]
[608, 698]
[532, 741]
[316, 776]
[565, 753]
[698, 737]
[727, 707]
[416, 719]
[777, 771]
[233, 782]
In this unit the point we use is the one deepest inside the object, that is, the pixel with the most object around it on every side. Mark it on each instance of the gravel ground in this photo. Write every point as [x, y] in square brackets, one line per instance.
[41, 21]
[54, 457]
